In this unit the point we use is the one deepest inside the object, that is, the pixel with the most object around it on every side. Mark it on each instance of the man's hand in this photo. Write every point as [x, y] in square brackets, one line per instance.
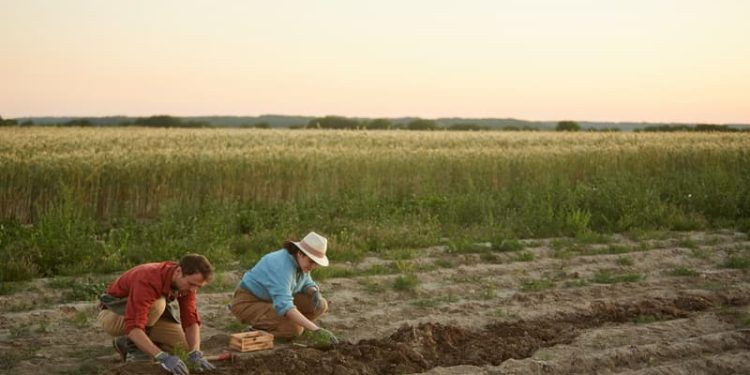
[171, 363]
[199, 363]
[316, 296]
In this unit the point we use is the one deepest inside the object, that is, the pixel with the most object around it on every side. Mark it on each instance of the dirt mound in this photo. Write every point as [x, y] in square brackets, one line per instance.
[420, 348]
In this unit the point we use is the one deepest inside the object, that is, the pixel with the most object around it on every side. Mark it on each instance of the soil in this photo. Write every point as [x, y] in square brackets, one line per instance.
[659, 323]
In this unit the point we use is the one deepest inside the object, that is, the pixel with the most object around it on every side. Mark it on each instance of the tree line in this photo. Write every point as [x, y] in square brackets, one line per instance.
[340, 122]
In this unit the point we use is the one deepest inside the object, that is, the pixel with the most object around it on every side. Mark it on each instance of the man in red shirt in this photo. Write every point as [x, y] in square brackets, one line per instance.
[137, 308]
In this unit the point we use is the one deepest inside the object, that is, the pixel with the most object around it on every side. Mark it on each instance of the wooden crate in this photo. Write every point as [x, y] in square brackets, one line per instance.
[250, 341]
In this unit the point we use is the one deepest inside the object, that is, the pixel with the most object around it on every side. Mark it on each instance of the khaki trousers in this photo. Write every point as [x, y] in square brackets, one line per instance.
[261, 314]
[161, 329]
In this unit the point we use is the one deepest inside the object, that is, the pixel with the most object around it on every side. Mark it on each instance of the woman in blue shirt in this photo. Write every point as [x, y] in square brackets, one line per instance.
[279, 296]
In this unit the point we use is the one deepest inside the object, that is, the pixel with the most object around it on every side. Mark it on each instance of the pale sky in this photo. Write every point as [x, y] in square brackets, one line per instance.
[599, 60]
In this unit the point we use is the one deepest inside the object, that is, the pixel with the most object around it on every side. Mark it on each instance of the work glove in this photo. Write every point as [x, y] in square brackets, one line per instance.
[316, 296]
[172, 364]
[198, 362]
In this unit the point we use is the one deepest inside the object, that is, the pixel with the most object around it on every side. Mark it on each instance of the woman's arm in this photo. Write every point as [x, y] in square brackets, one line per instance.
[300, 319]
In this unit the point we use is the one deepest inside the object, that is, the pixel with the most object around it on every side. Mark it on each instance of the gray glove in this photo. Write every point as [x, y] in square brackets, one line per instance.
[316, 296]
[172, 364]
[198, 362]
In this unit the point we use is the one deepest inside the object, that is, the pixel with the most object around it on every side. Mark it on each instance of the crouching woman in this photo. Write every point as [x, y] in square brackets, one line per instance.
[279, 296]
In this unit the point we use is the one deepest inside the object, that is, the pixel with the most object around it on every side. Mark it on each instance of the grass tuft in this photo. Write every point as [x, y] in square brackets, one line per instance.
[405, 283]
[684, 271]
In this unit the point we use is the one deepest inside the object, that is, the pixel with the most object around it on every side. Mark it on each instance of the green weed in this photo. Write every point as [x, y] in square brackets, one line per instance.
[445, 263]
[80, 320]
[490, 258]
[323, 273]
[371, 286]
[577, 283]
[700, 253]
[687, 243]
[736, 262]
[624, 261]
[536, 285]
[684, 271]
[400, 254]
[507, 245]
[743, 321]
[524, 256]
[405, 283]
[644, 319]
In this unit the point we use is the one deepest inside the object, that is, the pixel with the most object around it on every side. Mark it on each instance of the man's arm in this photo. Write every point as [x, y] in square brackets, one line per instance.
[141, 340]
[193, 337]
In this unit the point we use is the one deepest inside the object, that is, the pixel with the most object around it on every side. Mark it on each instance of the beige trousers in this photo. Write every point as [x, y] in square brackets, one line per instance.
[261, 314]
[162, 330]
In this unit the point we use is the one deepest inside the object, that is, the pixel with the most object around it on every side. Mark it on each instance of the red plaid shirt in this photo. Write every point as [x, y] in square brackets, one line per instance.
[146, 283]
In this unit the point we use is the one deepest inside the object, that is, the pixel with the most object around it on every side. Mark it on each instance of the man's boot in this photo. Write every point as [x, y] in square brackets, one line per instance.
[127, 350]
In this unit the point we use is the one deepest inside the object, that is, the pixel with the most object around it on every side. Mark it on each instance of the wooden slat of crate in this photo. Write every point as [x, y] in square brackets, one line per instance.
[250, 341]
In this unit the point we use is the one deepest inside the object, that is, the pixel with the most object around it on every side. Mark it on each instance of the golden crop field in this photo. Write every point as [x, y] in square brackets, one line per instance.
[369, 190]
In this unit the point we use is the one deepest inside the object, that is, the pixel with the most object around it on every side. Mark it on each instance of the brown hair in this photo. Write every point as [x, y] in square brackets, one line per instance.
[195, 263]
[291, 247]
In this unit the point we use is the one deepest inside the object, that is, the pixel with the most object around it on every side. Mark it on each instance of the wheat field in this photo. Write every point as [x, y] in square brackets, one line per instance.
[105, 198]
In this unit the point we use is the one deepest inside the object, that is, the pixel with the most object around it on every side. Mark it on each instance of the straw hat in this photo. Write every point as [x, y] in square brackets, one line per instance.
[315, 246]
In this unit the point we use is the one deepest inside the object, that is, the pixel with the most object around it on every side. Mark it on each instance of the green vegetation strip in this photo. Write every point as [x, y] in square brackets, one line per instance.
[99, 200]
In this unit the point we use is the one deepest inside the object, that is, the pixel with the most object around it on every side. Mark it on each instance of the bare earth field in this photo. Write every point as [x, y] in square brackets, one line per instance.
[665, 303]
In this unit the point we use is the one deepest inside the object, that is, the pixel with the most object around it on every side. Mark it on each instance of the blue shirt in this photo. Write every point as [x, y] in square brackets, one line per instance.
[276, 278]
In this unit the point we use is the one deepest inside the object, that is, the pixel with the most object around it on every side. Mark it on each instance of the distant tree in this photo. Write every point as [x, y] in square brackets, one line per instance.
[333, 122]
[160, 121]
[262, 125]
[668, 128]
[467, 126]
[195, 124]
[8, 122]
[380, 123]
[422, 124]
[27, 123]
[83, 122]
[568, 126]
[713, 128]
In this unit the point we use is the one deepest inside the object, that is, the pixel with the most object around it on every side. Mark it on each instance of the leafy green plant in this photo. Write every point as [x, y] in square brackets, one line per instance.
[235, 326]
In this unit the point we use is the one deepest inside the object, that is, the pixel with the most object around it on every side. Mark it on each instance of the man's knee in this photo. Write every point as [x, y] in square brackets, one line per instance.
[156, 311]
[111, 322]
